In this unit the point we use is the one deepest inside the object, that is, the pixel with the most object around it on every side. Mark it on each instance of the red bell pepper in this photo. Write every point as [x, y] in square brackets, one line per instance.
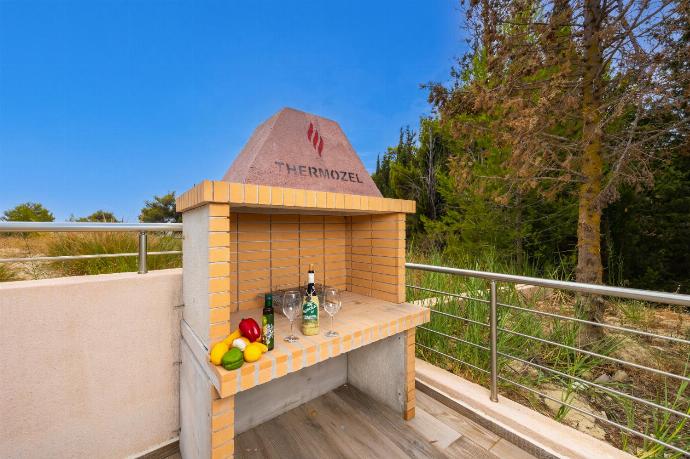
[250, 329]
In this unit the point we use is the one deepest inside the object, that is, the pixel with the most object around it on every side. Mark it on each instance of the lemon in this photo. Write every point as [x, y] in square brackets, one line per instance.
[217, 352]
[252, 352]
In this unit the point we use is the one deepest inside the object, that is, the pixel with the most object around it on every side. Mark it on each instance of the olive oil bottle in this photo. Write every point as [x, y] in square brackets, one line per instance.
[310, 307]
[268, 322]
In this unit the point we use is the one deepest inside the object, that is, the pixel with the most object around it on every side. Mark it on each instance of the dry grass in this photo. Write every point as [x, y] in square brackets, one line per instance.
[7, 274]
[60, 244]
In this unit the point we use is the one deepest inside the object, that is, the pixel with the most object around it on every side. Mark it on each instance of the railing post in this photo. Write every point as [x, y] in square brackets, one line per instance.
[494, 344]
[143, 242]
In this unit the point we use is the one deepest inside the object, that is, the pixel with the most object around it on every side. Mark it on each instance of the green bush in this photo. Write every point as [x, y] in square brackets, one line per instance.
[102, 216]
[160, 210]
[106, 243]
[28, 212]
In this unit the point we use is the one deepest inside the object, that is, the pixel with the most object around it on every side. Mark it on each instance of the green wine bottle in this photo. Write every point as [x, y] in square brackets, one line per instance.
[267, 322]
[310, 307]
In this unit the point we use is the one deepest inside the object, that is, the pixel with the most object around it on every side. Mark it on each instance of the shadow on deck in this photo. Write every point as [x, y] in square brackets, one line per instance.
[347, 423]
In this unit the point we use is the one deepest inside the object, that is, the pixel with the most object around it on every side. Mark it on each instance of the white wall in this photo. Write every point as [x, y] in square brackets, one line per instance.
[88, 365]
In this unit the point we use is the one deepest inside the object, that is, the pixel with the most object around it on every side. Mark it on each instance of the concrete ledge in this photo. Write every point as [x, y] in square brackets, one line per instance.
[53, 282]
[531, 431]
[89, 365]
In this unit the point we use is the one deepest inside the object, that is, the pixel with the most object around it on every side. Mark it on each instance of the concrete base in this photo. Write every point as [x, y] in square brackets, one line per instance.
[261, 403]
[378, 370]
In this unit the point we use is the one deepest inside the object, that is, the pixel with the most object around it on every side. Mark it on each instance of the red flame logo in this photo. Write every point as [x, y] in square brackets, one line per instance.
[315, 139]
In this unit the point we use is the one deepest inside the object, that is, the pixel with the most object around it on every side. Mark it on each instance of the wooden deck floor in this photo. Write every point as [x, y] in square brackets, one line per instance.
[345, 423]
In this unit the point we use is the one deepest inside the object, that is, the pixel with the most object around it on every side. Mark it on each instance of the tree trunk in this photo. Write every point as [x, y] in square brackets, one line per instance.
[589, 268]
[519, 249]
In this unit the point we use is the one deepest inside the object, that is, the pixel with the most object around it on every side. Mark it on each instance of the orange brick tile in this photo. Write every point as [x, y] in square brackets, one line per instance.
[218, 210]
[218, 239]
[330, 200]
[216, 254]
[247, 382]
[219, 314]
[219, 330]
[311, 356]
[339, 201]
[281, 369]
[264, 195]
[219, 269]
[222, 421]
[218, 284]
[221, 191]
[251, 193]
[310, 198]
[224, 451]
[289, 197]
[222, 436]
[265, 375]
[276, 196]
[236, 193]
[218, 224]
[222, 405]
[218, 299]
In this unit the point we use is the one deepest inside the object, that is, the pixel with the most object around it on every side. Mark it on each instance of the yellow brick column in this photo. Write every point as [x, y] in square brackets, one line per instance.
[222, 426]
[209, 280]
[210, 290]
[220, 287]
[409, 375]
[388, 257]
[222, 291]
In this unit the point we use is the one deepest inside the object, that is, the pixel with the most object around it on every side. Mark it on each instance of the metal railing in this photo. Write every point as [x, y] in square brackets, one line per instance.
[142, 228]
[493, 372]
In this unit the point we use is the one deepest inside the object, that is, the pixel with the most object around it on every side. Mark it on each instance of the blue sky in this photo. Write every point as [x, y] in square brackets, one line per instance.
[105, 103]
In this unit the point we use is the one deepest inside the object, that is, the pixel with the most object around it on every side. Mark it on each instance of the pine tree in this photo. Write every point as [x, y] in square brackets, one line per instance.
[574, 94]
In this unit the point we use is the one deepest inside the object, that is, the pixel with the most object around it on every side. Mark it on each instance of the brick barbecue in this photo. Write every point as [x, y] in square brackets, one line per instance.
[297, 195]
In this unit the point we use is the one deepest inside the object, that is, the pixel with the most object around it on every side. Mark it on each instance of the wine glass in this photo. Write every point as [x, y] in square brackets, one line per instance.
[331, 304]
[291, 309]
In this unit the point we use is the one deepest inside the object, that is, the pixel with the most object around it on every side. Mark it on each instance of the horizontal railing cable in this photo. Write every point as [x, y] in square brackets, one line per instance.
[456, 295]
[83, 257]
[142, 228]
[598, 324]
[644, 295]
[465, 319]
[68, 227]
[597, 417]
[598, 386]
[580, 410]
[455, 338]
[596, 289]
[594, 354]
[453, 358]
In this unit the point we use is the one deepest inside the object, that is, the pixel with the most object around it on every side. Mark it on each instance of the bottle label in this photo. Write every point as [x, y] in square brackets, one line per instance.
[268, 330]
[310, 309]
[310, 315]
